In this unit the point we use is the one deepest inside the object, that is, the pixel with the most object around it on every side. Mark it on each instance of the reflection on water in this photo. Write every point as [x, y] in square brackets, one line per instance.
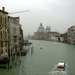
[55, 72]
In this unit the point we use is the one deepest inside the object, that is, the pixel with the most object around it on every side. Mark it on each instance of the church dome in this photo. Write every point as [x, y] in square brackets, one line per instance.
[48, 29]
[40, 28]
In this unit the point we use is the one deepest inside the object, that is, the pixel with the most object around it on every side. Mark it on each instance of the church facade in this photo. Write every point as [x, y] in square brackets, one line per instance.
[46, 34]
[42, 29]
[42, 33]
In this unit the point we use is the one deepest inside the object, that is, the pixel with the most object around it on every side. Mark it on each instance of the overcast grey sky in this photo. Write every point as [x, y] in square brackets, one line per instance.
[59, 14]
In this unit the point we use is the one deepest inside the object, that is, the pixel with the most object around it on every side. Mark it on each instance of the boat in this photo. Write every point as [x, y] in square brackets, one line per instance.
[61, 66]
[27, 44]
[40, 47]
[4, 61]
[23, 53]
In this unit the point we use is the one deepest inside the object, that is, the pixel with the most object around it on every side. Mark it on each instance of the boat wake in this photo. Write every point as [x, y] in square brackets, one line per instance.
[55, 72]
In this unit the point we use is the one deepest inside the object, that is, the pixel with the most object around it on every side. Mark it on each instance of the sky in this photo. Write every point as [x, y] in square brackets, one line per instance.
[59, 14]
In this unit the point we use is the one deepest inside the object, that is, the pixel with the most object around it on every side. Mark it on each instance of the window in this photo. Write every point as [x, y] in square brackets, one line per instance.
[1, 34]
[1, 44]
[8, 31]
[6, 43]
[6, 50]
[1, 51]
[5, 35]
[14, 29]
[14, 22]
[1, 19]
[6, 20]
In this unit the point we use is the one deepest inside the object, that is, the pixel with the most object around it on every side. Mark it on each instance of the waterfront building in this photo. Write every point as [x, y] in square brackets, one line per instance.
[21, 33]
[3, 34]
[14, 32]
[65, 37]
[54, 36]
[21, 40]
[71, 35]
[38, 35]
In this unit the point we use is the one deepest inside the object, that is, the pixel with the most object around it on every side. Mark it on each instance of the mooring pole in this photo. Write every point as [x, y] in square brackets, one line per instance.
[31, 50]
[15, 57]
[10, 58]
[20, 56]
[28, 47]
[12, 54]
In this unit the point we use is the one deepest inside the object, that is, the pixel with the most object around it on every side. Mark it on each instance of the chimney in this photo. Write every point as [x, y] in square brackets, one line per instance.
[3, 8]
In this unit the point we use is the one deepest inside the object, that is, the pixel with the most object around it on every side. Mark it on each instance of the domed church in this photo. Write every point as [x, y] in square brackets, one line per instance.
[40, 28]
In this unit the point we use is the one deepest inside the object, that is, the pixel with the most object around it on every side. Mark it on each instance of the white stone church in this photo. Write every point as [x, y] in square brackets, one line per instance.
[41, 28]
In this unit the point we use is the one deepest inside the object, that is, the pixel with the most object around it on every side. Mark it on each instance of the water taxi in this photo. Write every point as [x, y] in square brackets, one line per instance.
[61, 66]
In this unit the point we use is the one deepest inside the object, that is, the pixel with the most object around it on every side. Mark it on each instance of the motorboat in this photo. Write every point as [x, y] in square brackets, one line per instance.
[61, 66]
[40, 47]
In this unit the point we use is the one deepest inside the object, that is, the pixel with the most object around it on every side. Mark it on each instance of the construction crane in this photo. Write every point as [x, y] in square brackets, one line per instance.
[18, 12]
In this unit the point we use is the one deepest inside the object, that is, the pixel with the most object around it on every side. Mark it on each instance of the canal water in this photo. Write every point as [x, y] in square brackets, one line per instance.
[44, 61]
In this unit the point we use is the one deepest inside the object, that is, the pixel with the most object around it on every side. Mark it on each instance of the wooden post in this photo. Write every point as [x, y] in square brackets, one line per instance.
[10, 58]
[28, 47]
[31, 49]
[20, 56]
[12, 54]
[0, 51]
[15, 57]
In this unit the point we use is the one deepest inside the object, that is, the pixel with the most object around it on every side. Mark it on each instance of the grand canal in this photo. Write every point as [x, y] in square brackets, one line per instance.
[44, 61]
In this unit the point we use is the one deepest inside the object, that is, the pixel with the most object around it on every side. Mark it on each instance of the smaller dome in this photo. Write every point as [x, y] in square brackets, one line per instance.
[48, 28]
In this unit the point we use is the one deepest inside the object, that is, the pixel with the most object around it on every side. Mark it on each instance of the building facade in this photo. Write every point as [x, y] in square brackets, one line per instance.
[71, 35]
[14, 32]
[21, 38]
[3, 34]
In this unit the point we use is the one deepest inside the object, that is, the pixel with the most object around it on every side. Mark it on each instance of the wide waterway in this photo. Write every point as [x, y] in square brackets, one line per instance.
[44, 61]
